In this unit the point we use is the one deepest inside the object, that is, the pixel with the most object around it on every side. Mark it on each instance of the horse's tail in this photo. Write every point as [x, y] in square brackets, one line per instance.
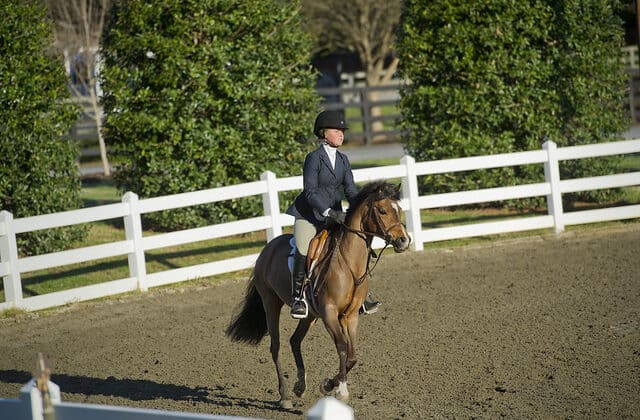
[250, 324]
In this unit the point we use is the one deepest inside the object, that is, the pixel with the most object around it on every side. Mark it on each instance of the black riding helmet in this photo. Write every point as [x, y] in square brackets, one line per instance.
[329, 119]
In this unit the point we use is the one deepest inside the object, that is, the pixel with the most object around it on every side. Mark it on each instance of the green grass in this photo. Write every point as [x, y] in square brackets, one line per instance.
[375, 162]
[99, 192]
[99, 271]
[631, 163]
[12, 313]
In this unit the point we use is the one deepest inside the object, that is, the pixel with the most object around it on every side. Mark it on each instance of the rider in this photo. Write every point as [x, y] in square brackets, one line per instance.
[325, 170]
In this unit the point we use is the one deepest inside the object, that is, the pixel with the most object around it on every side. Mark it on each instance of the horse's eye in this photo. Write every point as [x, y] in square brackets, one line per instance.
[382, 211]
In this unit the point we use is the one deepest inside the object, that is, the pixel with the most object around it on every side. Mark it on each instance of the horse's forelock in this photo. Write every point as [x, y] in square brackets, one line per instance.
[377, 190]
[391, 191]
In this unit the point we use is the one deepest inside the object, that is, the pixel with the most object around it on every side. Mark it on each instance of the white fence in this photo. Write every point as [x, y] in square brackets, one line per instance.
[31, 406]
[135, 244]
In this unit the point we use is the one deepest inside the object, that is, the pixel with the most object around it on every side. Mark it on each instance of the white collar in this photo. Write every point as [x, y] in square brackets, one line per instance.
[331, 152]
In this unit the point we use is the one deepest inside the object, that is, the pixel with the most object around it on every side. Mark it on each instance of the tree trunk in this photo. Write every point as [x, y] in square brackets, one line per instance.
[97, 118]
[377, 76]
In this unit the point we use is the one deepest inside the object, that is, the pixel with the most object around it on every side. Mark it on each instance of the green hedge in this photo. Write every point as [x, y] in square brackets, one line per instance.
[200, 94]
[502, 76]
[38, 172]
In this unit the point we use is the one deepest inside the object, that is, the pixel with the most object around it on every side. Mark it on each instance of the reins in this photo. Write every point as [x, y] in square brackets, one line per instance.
[367, 236]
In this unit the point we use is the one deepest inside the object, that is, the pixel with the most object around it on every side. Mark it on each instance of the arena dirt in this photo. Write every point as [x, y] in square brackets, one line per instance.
[542, 327]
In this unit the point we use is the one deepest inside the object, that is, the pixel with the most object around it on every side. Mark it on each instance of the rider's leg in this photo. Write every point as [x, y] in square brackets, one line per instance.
[303, 231]
[299, 306]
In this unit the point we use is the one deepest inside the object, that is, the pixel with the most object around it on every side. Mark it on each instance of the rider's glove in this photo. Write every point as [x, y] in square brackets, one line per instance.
[336, 217]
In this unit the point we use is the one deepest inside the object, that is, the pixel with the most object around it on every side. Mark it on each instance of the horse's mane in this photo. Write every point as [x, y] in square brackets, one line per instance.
[377, 190]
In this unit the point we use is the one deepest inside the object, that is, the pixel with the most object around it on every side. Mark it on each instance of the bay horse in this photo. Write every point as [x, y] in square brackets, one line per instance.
[341, 274]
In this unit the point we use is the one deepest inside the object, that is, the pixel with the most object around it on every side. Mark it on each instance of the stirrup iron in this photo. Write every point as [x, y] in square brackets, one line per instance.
[306, 309]
[373, 310]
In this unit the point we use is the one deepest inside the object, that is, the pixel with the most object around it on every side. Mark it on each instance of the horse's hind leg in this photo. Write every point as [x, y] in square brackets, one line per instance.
[295, 341]
[272, 307]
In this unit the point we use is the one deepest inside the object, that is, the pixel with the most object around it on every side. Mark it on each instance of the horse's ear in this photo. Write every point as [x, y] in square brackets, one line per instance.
[392, 191]
[382, 191]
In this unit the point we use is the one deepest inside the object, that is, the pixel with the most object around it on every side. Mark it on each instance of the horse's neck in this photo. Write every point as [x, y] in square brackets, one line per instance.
[354, 246]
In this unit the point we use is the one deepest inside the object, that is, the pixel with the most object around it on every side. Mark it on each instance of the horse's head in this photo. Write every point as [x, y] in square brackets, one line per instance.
[382, 214]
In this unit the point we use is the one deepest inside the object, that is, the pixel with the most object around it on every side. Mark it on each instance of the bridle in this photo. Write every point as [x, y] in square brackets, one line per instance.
[367, 236]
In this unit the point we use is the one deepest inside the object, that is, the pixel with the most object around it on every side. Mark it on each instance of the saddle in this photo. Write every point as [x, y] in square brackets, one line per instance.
[313, 255]
[315, 249]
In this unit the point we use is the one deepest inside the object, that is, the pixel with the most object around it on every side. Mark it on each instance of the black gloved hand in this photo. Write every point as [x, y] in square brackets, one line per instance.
[336, 217]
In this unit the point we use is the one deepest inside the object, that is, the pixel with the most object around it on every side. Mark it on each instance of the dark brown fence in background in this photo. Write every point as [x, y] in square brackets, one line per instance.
[633, 95]
[359, 104]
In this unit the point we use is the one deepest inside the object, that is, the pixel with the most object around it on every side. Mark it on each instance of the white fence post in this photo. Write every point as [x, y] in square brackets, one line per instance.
[552, 176]
[133, 232]
[410, 193]
[9, 256]
[31, 398]
[271, 204]
[330, 408]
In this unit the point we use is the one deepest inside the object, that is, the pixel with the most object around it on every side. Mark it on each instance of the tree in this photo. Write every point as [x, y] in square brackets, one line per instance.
[79, 26]
[38, 172]
[367, 27]
[503, 76]
[200, 94]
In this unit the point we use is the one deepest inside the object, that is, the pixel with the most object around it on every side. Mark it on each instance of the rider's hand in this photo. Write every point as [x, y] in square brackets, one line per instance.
[336, 217]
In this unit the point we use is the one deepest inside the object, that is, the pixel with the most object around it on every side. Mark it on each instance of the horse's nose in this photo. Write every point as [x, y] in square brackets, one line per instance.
[402, 243]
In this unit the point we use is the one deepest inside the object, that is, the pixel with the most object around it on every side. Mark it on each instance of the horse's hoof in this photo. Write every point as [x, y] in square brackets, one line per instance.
[342, 397]
[326, 386]
[342, 393]
[286, 404]
[299, 389]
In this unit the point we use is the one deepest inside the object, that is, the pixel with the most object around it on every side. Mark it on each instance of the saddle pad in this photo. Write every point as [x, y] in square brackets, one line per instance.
[292, 243]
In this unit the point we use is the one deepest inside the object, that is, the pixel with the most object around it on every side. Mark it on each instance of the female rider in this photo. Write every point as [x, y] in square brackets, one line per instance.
[325, 170]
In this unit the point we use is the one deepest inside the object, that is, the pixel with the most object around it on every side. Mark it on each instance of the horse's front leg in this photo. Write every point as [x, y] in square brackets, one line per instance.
[349, 325]
[340, 340]
[296, 340]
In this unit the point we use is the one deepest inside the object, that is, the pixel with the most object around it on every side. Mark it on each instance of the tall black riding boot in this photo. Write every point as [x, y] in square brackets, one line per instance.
[299, 307]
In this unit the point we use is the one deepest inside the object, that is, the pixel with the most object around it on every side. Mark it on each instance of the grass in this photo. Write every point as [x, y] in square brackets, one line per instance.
[375, 162]
[103, 270]
[631, 163]
[97, 192]
[12, 313]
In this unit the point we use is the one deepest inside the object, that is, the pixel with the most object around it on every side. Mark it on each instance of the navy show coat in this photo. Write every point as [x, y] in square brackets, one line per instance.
[321, 186]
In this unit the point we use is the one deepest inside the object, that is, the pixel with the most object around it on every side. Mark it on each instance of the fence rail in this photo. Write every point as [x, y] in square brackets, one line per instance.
[272, 221]
[32, 405]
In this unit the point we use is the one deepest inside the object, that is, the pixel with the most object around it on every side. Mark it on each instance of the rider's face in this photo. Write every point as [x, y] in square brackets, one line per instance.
[334, 136]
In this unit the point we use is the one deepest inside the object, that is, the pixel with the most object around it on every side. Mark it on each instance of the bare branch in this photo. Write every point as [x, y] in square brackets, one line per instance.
[79, 27]
[367, 27]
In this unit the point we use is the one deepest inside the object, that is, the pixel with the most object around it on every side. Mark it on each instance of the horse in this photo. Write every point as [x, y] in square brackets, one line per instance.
[342, 273]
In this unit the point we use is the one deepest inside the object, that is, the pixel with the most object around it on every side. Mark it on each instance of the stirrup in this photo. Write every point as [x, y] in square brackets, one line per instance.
[370, 311]
[306, 309]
